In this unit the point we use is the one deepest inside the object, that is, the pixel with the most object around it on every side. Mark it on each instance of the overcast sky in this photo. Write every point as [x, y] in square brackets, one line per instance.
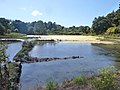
[64, 12]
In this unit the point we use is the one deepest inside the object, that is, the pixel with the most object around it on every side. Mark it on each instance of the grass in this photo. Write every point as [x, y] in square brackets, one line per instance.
[26, 47]
[80, 80]
[51, 86]
[114, 36]
[13, 35]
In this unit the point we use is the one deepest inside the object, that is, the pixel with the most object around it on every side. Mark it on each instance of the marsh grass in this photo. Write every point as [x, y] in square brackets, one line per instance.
[80, 80]
[51, 85]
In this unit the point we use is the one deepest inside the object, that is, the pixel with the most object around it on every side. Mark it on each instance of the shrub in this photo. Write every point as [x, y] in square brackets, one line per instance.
[106, 79]
[80, 80]
[51, 85]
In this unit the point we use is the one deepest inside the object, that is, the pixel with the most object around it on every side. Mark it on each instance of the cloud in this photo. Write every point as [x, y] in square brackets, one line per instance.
[36, 13]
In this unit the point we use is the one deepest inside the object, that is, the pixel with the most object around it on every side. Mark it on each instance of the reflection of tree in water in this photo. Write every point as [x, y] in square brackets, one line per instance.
[42, 43]
[112, 50]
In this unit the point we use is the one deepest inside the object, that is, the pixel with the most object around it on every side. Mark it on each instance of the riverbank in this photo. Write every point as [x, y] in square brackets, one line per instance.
[14, 35]
[71, 38]
[106, 79]
[61, 38]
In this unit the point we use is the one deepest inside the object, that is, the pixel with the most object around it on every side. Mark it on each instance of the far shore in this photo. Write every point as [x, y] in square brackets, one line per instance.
[72, 38]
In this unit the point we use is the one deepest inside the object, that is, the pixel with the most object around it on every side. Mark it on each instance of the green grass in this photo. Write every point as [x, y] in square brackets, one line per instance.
[13, 35]
[51, 85]
[80, 80]
[26, 47]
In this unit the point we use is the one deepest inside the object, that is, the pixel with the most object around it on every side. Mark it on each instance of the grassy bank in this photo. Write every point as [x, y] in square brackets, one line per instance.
[23, 53]
[14, 35]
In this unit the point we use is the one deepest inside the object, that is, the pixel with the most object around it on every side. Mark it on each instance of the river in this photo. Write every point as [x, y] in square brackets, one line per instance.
[37, 74]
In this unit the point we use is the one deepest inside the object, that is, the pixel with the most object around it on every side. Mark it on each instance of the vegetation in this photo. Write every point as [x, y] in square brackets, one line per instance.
[4, 26]
[51, 85]
[109, 24]
[13, 35]
[40, 27]
[80, 80]
[106, 79]
[9, 72]
[23, 53]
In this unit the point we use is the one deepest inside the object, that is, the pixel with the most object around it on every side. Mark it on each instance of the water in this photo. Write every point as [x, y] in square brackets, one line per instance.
[37, 74]
[13, 49]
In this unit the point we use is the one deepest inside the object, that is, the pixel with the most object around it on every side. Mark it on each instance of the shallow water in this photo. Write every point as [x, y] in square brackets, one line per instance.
[13, 49]
[37, 74]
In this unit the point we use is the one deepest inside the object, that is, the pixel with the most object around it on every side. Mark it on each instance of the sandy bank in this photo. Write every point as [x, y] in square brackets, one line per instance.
[72, 38]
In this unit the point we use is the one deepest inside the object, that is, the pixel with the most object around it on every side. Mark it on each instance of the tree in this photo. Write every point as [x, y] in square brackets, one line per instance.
[100, 25]
[4, 26]
[40, 28]
[118, 29]
[2, 29]
[21, 26]
[111, 30]
[31, 30]
[103, 24]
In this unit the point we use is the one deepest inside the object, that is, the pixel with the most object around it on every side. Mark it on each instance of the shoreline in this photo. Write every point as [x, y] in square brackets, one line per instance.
[67, 39]
[71, 38]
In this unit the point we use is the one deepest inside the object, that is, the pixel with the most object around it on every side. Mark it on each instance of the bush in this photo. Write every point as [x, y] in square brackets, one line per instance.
[106, 80]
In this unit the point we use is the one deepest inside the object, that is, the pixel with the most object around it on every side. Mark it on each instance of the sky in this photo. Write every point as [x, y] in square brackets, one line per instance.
[63, 12]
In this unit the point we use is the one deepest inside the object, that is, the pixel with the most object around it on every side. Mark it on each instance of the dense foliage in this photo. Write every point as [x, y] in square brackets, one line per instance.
[44, 28]
[109, 24]
[39, 27]
[9, 71]
[5, 26]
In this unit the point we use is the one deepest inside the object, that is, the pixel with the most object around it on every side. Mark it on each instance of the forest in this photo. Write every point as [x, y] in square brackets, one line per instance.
[109, 24]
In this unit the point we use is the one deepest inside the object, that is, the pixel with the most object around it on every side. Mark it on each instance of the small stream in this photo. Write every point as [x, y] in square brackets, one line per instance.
[13, 49]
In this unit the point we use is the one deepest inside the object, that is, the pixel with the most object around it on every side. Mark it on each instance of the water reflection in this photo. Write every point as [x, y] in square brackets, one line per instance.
[66, 69]
[12, 49]
[112, 50]
[42, 43]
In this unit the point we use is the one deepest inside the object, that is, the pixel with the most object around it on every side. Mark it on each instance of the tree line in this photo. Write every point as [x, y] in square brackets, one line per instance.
[109, 24]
